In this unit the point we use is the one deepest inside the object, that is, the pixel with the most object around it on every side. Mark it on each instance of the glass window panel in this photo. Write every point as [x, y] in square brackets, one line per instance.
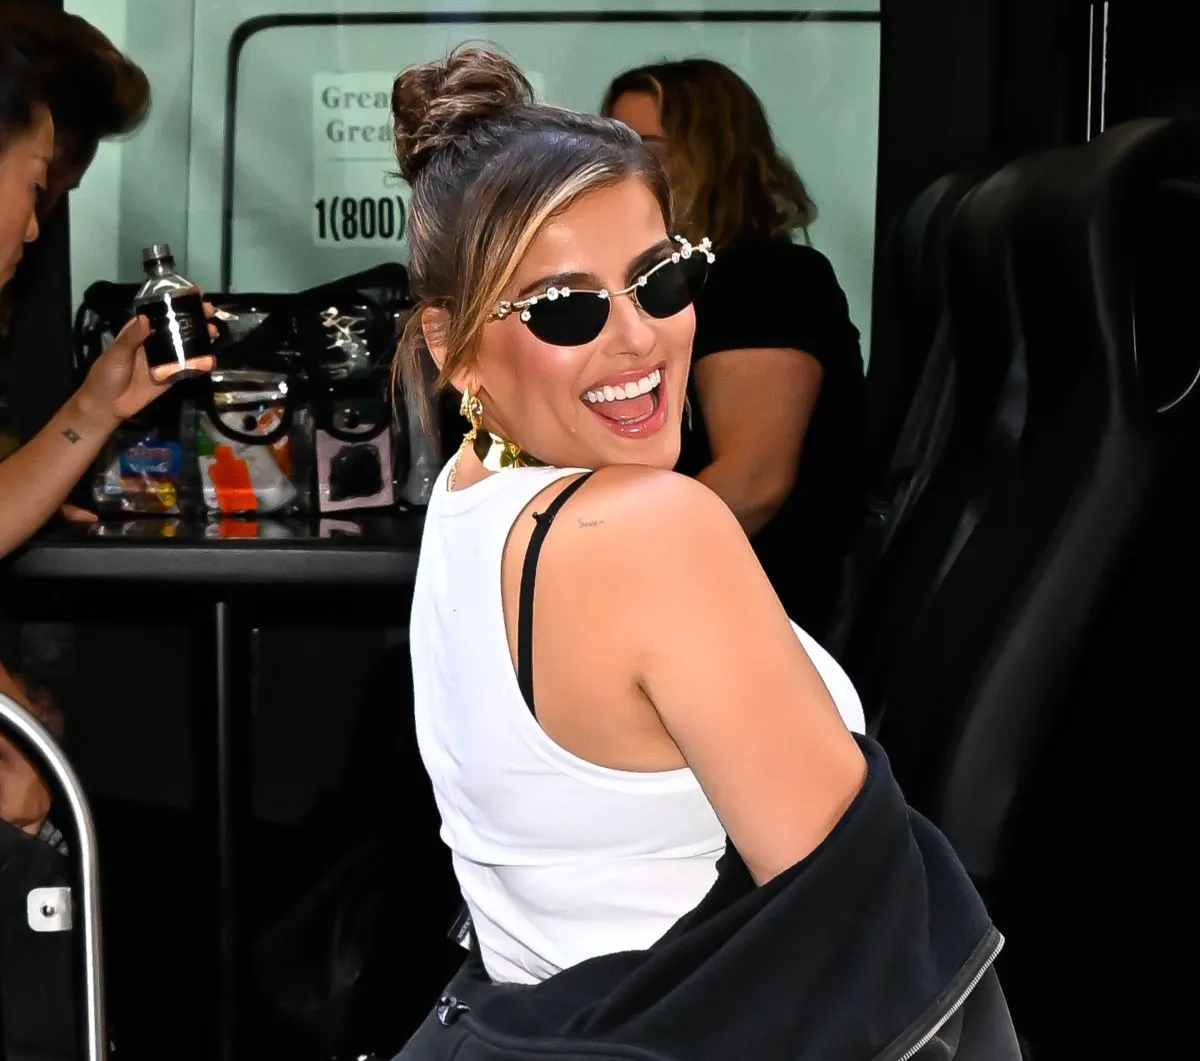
[266, 161]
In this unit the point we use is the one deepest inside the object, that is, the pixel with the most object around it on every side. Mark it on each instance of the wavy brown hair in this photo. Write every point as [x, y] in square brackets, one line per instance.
[93, 90]
[728, 177]
[20, 92]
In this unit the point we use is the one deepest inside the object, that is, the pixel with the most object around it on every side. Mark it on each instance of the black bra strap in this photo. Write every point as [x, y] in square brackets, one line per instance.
[541, 521]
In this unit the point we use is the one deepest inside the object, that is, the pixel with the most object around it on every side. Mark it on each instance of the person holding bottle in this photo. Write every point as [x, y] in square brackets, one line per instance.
[97, 93]
[35, 480]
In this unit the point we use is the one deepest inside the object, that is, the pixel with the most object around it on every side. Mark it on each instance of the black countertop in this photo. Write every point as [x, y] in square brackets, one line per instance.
[354, 548]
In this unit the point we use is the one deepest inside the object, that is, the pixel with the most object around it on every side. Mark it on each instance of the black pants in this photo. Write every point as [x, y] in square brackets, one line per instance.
[441, 1034]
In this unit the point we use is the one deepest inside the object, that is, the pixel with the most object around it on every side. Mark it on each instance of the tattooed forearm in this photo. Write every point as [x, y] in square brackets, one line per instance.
[71, 435]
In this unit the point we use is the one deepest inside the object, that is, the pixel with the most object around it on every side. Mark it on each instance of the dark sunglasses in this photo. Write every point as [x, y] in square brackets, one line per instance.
[565, 317]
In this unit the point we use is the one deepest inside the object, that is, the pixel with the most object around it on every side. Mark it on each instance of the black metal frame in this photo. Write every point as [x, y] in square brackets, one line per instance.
[253, 26]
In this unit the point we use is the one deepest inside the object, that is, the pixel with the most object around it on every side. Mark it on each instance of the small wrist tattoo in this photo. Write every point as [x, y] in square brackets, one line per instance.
[71, 435]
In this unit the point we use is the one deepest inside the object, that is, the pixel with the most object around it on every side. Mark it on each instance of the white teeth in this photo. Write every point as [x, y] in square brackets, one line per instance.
[620, 392]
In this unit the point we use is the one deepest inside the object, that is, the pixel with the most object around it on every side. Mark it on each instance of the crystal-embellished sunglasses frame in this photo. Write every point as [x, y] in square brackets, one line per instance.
[686, 250]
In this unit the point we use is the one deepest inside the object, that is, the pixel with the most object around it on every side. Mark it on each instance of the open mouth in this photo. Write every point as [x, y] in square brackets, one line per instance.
[633, 406]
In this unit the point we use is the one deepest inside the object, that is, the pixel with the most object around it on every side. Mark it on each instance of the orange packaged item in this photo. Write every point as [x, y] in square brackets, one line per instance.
[231, 482]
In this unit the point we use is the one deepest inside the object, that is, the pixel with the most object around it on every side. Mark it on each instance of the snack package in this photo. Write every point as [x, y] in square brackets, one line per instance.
[142, 474]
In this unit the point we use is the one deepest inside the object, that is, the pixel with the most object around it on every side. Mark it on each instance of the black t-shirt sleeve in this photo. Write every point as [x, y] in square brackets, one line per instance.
[773, 295]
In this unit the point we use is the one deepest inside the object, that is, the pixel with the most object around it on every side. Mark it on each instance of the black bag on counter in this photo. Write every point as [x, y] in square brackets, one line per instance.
[298, 417]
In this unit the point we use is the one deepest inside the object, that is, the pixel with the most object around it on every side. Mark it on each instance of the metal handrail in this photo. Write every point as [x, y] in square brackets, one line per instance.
[34, 741]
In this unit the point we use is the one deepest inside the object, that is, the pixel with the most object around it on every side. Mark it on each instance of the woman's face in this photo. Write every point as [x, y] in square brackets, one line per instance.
[561, 403]
[641, 112]
[23, 168]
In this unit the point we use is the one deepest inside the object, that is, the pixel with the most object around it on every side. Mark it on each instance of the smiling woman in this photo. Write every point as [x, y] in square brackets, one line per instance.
[485, 302]
[671, 718]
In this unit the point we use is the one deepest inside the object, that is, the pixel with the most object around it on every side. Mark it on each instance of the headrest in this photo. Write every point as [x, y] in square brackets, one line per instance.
[986, 331]
[1166, 283]
[919, 249]
[1100, 229]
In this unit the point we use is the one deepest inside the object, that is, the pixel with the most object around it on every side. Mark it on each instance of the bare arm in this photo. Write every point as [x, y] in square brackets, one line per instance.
[711, 648]
[36, 479]
[756, 404]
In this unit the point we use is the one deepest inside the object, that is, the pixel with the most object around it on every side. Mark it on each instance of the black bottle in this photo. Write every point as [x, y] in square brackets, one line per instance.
[174, 307]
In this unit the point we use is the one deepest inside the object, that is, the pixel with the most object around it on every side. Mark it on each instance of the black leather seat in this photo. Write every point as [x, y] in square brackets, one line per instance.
[917, 262]
[909, 394]
[1030, 709]
[965, 436]
[1105, 414]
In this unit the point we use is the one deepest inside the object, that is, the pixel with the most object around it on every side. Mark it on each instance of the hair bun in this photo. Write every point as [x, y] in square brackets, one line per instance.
[433, 104]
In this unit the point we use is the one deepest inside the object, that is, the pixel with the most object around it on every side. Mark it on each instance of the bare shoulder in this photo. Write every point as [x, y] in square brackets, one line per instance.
[677, 600]
[675, 540]
[633, 505]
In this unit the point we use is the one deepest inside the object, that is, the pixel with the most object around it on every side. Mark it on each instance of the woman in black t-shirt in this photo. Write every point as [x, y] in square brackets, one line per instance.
[777, 382]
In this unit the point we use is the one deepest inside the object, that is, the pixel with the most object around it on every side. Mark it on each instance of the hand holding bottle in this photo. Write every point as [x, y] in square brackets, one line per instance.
[178, 344]
[120, 383]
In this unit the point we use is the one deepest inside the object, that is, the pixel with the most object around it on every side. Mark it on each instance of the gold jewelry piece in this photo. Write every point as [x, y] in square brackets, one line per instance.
[494, 453]
[471, 409]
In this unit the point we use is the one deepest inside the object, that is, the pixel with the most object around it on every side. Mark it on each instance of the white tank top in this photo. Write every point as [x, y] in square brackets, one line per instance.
[558, 859]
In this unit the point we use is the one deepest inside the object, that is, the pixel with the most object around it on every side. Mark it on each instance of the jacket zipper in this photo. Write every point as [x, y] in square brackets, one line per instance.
[451, 1010]
[957, 1004]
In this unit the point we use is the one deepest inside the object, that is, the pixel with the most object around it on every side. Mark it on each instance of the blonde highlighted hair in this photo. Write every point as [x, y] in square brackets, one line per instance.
[489, 166]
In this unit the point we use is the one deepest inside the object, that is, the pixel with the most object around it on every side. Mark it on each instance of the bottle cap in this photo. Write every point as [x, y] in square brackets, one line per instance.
[156, 252]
